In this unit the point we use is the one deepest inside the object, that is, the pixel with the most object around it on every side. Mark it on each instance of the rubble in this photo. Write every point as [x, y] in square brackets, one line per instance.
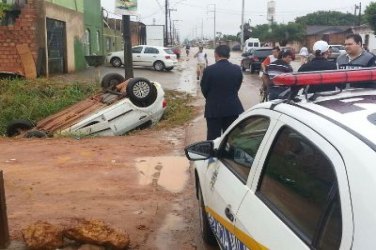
[42, 236]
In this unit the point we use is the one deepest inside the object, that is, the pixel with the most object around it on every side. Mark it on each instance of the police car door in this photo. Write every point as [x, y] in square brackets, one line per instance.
[238, 152]
[296, 196]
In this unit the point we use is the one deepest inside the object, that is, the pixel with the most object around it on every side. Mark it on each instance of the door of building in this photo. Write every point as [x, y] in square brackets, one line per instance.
[56, 46]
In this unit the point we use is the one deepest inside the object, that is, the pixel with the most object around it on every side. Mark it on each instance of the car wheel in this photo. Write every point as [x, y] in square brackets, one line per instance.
[35, 134]
[141, 92]
[243, 68]
[116, 62]
[169, 69]
[110, 81]
[206, 232]
[159, 66]
[16, 127]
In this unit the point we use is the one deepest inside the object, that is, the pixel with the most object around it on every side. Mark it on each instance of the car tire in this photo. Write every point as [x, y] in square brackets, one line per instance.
[141, 92]
[206, 232]
[243, 68]
[169, 68]
[110, 81]
[35, 134]
[116, 62]
[18, 126]
[159, 66]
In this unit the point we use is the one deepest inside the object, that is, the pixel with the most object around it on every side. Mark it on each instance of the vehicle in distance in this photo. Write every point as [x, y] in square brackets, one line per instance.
[340, 48]
[160, 58]
[295, 173]
[121, 107]
[253, 58]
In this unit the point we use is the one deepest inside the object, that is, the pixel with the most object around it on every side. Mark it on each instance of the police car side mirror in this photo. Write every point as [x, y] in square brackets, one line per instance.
[200, 151]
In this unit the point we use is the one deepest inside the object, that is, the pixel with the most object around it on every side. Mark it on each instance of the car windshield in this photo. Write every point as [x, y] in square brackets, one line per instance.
[339, 47]
[262, 52]
[169, 51]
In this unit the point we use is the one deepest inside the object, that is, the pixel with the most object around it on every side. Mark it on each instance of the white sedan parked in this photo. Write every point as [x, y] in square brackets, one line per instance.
[160, 58]
[296, 173]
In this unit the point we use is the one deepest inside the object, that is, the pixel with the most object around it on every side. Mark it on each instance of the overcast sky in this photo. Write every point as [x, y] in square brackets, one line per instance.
[197, 16]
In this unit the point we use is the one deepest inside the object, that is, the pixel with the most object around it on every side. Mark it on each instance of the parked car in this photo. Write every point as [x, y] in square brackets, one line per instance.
[114, 111]
[334, 53]
[160, 58]
[340, 47]
[296, 173]
[253, 58]
[236, 47]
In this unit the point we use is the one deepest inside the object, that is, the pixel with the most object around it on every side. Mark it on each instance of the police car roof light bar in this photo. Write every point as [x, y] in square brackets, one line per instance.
[326, 77]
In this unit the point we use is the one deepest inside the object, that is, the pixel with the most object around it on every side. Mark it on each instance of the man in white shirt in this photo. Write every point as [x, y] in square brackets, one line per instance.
[202, 62]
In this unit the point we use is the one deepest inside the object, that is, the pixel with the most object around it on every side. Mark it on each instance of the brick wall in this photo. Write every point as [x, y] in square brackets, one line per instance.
[22, 32]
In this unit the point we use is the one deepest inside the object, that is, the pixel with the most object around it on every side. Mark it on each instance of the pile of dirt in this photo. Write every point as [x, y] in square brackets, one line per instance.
[43, 235]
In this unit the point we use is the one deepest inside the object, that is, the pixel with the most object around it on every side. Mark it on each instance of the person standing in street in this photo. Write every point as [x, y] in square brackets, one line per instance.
[303, 55]
[220, 85]
[356, 57]
[278, 67]
[265, 79]
[318, 63]
[202, 62]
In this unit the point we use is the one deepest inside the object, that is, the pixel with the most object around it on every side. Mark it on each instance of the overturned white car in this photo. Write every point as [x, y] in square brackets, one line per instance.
[121, 106]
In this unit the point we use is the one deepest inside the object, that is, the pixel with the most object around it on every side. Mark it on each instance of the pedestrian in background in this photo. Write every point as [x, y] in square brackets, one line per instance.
[220, 85]
[278, 67]
[202, 62]
[356, 57]
[320, 62]
[303, 55]
[265, 79]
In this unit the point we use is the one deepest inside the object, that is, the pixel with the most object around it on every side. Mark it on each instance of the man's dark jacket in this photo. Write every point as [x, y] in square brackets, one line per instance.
[220, 85]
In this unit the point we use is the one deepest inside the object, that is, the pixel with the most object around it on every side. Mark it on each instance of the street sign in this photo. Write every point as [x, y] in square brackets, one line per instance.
[126, 7]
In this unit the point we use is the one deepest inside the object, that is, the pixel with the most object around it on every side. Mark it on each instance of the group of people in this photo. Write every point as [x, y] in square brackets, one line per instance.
[221, 81]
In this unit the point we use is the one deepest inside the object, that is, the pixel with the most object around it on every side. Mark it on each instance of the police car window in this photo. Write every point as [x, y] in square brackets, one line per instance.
[149, 50]
[299, 184]
[137, 50]
[240, 147]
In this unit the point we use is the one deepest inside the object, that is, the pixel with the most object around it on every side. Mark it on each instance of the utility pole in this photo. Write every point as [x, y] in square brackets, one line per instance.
[128, 62]
[360, 14]
[242, 27]
[169, 16]
[215, 32]
[166, 23]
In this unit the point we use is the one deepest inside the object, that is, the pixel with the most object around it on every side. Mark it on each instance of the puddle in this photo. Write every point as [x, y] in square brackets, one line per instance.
[169, 172]
[172, 223]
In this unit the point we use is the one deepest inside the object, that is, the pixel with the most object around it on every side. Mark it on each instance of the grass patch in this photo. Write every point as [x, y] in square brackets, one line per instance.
[37, 99]
[178, 111]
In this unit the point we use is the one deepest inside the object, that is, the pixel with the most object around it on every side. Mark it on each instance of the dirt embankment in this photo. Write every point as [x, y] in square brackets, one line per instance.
[140, 183]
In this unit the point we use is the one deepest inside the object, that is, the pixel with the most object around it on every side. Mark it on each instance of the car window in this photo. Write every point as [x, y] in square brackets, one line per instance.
[169, 51]
[240, 146]
[256, 45]
[250, 44]
[150, 50]
[299, 184]
[262, 53]
[137, 50]
[336, 50]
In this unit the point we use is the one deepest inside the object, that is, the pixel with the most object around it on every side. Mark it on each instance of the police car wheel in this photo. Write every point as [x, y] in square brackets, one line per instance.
[206, 232]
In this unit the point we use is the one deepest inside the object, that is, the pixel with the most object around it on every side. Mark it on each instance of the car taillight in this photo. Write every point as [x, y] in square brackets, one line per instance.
[168, 57]
[164, 103]
[326, 77]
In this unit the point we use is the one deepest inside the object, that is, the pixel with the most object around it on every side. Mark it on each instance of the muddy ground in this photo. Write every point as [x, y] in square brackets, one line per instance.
[140, 183]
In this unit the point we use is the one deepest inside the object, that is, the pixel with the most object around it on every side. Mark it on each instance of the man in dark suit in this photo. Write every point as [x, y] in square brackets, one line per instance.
[220, 85]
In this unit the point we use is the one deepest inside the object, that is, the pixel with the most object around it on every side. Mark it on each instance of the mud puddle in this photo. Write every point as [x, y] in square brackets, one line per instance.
[169, 172]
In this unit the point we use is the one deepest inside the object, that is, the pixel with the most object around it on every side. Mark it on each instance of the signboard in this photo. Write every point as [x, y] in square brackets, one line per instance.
[126, 7]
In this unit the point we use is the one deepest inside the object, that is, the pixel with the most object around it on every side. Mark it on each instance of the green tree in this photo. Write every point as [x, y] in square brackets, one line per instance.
[281, 33]
[230, 38]
[327, 18]
[370, 15]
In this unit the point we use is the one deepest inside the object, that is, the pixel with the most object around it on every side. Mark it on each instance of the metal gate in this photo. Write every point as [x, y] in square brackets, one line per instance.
[56, 46]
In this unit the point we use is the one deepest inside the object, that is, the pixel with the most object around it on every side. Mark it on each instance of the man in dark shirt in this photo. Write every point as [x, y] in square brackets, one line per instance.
[319, 63]
[278, 67]
[220, 85]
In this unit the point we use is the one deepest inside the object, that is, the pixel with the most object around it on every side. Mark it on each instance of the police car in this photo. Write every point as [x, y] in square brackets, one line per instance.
[297, 173]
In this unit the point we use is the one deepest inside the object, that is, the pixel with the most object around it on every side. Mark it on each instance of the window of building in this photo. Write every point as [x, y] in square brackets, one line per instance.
[299, 184]
[98, 41]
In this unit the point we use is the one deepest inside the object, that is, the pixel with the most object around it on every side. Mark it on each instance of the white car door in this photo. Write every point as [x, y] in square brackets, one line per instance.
[136, 56]
[227, 175]
[149, 56]
[299, 198]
